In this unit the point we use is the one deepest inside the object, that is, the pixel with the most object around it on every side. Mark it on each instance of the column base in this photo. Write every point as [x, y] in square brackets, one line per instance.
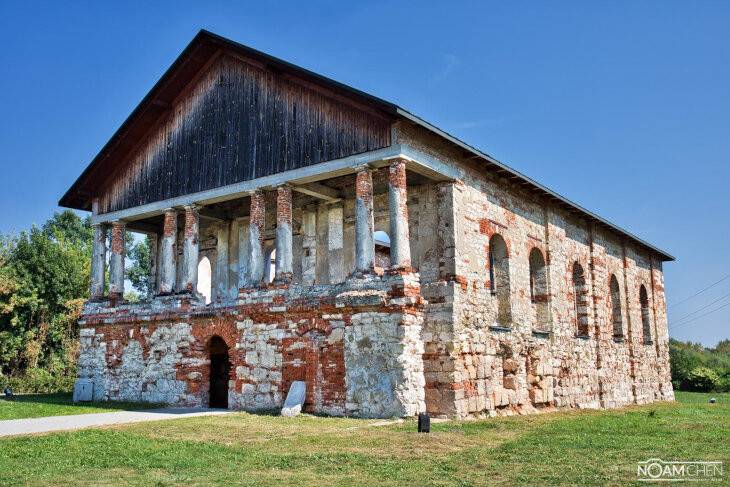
[283, 280]
[366, 274]
[116, 299]
[399, 270]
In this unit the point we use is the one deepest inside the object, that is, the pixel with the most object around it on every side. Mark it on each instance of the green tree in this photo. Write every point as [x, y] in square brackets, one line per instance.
[690, 363]
[44, 278]
[138, 272]
[723, 346]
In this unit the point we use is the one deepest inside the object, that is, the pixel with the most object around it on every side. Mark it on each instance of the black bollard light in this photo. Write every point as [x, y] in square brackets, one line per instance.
[424, 423]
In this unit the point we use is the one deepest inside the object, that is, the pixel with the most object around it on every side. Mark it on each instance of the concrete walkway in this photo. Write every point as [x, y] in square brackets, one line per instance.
[28, 426]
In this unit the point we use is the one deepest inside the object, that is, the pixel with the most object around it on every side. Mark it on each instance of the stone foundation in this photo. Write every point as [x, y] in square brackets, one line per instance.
[357, 346]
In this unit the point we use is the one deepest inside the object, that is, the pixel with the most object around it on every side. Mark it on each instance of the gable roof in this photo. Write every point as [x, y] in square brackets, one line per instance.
[199, 54]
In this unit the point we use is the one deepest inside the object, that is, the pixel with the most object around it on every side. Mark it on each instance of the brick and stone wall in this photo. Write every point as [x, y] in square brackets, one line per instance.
[475, 362]
[356, 345]
[538, 325]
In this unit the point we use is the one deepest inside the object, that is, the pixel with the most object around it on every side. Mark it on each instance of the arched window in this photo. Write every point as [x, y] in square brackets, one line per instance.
[645, 320]
[499, 278]
[580, 299]
[615, 296]
[539, 290]
[204, 278]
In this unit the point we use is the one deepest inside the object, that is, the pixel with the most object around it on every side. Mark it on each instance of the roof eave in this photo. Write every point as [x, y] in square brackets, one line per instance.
[547, 191]
[75, 196]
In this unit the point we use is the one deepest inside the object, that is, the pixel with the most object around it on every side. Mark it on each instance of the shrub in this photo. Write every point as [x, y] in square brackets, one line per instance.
[724, 384]
[38, 381]
[703, 379]
[686, 360]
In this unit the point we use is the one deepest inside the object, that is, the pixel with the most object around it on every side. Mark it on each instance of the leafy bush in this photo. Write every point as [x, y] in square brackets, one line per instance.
[696, 368]
[38, 381]
[702, 379]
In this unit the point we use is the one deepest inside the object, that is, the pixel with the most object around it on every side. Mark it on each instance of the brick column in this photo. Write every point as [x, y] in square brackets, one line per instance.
[364, 243]
[190, 250]
[284, 248]
[168, 257]
[98, 262]
[400, 248]
[255, 238]
[116, 261]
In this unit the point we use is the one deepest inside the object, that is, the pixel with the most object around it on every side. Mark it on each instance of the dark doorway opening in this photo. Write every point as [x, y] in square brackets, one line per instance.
[220, 369]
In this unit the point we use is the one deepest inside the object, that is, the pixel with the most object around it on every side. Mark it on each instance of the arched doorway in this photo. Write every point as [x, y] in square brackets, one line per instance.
[220, 368]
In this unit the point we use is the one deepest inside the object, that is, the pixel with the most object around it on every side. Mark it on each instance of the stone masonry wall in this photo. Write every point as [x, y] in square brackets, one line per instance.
[476, 364]
[455, 338]
[357, 346]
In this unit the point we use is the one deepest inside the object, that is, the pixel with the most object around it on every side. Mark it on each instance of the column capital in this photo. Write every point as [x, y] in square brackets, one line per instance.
[364, 168]
[397, 161]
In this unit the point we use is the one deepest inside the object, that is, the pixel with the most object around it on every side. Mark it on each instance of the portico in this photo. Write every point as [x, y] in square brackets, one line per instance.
[243, 229]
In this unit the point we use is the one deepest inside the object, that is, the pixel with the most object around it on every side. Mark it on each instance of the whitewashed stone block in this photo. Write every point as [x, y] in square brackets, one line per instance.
[294, 399]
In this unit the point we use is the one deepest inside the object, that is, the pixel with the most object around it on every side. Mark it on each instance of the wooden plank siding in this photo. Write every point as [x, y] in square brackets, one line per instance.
[240, 122]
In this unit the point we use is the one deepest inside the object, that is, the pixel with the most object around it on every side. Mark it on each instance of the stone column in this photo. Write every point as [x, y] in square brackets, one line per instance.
[233, 267]
[364, 243]
[116, 261]
[243, 254]
[284, 250]
[168, 253]
[220, 282]
[190, 250]
[154, 255]
[400, 248]
[255, 238]
[309, 246]
[98, 262]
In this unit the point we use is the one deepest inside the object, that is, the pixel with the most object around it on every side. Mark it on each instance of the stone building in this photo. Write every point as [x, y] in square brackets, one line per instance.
[304, 230]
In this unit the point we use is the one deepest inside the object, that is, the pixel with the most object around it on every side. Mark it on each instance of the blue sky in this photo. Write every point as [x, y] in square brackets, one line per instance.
[623, 107]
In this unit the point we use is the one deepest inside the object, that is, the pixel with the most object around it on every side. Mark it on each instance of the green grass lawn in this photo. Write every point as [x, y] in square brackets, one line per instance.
[563, 448]
[38, 405]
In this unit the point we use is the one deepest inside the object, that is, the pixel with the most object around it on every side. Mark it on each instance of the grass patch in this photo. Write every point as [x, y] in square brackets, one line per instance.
[39, 405]
[564, 448]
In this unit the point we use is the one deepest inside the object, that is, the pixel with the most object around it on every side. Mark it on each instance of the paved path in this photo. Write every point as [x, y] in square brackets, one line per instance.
[12, 427]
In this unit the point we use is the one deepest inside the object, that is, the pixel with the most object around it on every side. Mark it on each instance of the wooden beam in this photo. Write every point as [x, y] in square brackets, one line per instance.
[319, 191]
[143, 227]
[211, 214]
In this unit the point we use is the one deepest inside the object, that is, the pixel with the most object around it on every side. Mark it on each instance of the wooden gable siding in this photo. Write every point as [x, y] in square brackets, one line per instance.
[239, 123]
